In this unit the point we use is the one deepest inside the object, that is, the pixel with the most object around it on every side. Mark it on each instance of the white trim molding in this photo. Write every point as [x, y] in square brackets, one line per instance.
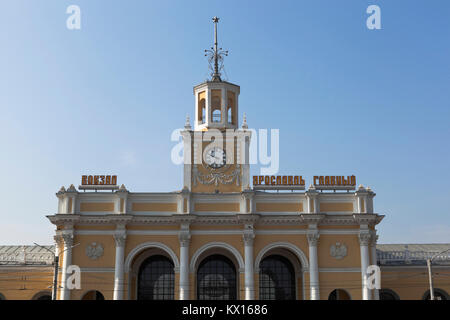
[358, 270]
[283, 245]
[212, 245]
[148, 245]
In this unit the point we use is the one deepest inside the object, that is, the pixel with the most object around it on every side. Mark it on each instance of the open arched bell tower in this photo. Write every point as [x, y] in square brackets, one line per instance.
[216, 105]
[216, 100]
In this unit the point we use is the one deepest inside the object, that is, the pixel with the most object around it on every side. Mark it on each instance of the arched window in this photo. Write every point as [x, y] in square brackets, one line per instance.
[216, 106]
[216, 116]
[216, 279]
[339, 294]
[156, 279]
[230, 115]
[201, 111]
[388, 294]
[93, 295]
[231, 107]
[439, 294]
[43, 295]
[203, 119]
[276, 279]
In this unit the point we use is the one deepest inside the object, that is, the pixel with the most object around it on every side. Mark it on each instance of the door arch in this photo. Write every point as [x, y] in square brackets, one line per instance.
[339, 294]
[276, 279]
[156, 279]
[93, 295]
[216, 278]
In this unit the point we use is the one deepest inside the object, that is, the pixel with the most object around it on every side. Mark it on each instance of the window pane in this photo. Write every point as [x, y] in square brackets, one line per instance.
[276, 279]
[156, 279]
[216, 279]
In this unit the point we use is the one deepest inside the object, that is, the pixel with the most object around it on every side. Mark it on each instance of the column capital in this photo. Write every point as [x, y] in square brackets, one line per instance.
[185, 238]
[120, 238]
[373, 238]
[364, 237]
[248, 235]
[313, 237]
[248, 238]
[58, 239]
[67, 238]
[184, 235]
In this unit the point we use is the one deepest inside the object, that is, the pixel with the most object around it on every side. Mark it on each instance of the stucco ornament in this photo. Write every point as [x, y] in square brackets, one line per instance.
[338, 250]
[217, 176]
[94, 250]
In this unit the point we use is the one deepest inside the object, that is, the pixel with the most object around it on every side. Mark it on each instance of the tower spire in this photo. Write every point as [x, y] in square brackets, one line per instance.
[215, 55]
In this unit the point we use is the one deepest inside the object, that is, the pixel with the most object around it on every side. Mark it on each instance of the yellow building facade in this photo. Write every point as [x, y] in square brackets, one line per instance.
[224, 235]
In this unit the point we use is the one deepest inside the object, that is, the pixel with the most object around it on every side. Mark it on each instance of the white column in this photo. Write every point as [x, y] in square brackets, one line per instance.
[236, 109]
[246, 202]
[58, 240]
[243, 203]
[369, 200]
[223, 106]
[312, 200]
[364, 239]
[313, 239]
[359, 199]
[67, 261]
[187, 154]
[245, 159]
[249, 278]
[361, 195]
[120, 239]
[373, 251]
[208, 116]
[184, 238]
[196, 122]
[252, 208]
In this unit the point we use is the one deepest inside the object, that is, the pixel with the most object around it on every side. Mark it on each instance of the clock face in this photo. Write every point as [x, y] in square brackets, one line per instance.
[215, 158]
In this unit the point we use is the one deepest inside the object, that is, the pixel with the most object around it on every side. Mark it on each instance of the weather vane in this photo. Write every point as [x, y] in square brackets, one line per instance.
[215, 55]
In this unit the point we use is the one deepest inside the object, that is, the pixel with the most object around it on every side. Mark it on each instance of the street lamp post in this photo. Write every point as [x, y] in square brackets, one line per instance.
[430, 279]
[430, 273]
[56, 269]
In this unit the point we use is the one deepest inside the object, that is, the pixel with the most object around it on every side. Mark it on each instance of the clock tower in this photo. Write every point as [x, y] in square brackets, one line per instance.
[216, 151]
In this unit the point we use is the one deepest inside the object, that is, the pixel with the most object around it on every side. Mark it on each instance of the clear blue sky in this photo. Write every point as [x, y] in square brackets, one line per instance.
[347, 100]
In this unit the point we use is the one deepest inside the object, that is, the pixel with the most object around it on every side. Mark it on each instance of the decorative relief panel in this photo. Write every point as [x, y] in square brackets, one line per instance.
[94, 250]
[217, 177]
[338, 250]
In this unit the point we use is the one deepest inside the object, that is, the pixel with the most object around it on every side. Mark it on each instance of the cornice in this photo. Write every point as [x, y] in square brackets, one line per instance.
[232, 219]
[313, 218]
[370, 219]
[64, 219]
[281, 220]
[210, 220]
[248, 218]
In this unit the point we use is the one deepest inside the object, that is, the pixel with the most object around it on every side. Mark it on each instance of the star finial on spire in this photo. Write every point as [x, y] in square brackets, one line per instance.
[215, 55]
